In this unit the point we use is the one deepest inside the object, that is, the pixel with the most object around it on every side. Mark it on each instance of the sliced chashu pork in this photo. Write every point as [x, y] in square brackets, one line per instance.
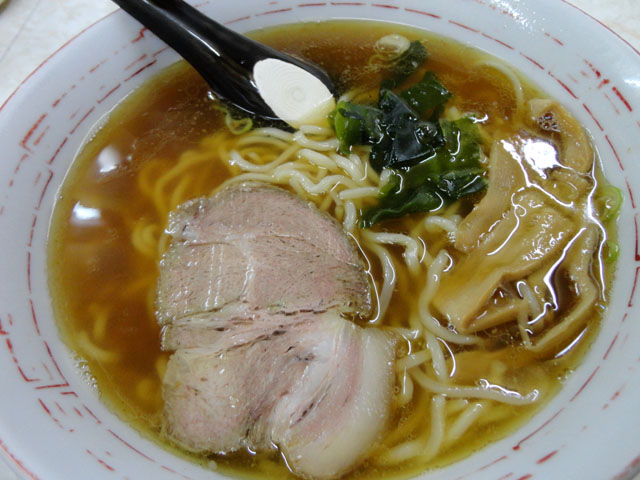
[318, 390]
[254, 209]
[252, 292]
[254, 247]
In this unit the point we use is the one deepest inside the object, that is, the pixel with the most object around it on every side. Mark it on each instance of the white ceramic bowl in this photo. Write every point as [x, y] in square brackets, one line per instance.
[52, 423]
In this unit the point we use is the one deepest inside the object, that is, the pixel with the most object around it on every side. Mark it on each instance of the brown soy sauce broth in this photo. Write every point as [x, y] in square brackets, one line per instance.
[103, 289]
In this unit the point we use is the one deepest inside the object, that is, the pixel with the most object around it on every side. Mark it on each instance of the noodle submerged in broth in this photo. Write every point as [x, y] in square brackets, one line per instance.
[494, 295]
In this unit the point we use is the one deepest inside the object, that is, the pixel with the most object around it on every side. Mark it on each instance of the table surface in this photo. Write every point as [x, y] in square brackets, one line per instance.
[31, 30]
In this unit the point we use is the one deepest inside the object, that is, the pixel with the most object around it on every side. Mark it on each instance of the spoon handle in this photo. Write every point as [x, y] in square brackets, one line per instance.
[224, 58]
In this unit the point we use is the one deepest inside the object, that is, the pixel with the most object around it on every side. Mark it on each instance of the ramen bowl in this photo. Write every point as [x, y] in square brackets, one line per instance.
[53, 424]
